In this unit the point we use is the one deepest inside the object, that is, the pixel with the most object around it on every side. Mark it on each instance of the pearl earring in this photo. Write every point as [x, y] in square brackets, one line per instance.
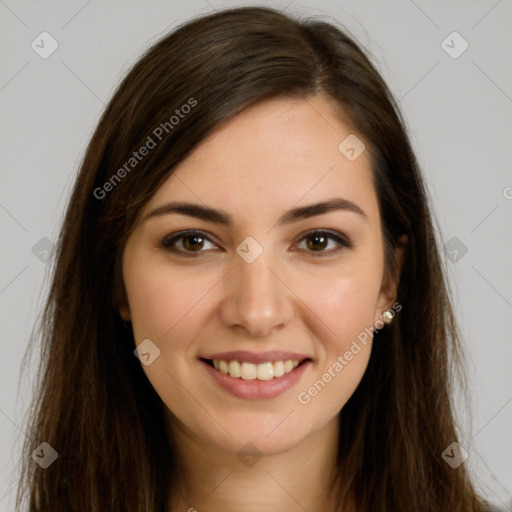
[388, 316]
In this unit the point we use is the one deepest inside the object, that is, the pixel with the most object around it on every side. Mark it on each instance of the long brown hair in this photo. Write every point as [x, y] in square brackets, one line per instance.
[94, 404]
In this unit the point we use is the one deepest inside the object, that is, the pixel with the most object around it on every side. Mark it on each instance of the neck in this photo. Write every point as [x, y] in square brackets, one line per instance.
[212, 478]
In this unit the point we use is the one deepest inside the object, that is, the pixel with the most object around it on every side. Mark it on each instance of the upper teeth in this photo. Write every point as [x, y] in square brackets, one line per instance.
[250, 371]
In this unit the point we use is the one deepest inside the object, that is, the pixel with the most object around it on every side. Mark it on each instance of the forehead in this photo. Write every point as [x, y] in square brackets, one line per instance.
[272, 156]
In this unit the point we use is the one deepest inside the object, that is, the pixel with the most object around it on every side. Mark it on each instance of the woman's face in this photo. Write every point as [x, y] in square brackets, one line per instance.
[265, 281]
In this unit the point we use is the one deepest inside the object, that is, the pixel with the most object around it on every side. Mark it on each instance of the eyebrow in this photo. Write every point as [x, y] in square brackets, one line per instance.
[225, 219]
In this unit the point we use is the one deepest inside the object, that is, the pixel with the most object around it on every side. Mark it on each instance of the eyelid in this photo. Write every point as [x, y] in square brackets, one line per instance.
[343, 241]
[168, 240]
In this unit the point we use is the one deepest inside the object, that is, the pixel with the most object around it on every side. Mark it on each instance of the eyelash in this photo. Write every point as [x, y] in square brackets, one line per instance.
[168, 242]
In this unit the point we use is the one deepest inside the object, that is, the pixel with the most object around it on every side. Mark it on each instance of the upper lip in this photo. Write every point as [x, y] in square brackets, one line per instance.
[256, 357]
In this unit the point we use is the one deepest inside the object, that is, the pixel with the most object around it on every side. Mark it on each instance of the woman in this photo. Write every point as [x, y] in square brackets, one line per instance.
[248, 309]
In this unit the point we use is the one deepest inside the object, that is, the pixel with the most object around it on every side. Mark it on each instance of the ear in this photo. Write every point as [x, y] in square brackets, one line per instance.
[119, 295]
[124, 311]
[389, 287]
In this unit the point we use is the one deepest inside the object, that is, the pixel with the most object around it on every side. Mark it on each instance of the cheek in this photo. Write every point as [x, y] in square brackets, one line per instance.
[348, 309]
[165, 304]
[344, 303]
[152, 295]
[344, 298]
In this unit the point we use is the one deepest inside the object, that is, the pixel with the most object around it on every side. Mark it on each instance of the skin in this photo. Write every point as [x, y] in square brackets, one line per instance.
[274, 156]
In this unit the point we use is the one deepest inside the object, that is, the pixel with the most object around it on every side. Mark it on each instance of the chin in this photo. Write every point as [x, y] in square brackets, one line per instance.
[267, 435]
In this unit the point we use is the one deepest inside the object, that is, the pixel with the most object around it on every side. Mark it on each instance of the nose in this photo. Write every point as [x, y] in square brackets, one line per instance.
[256, 298]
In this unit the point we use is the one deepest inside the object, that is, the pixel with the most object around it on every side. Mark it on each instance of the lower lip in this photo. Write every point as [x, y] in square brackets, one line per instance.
[257, 389]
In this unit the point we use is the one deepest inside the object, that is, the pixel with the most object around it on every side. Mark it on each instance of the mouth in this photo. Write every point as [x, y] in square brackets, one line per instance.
[245, 370]
[256, 381]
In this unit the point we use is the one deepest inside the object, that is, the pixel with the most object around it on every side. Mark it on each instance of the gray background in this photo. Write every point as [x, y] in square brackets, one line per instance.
[458, 111]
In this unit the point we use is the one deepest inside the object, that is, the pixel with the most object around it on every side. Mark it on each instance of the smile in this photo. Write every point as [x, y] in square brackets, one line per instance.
[256, 381]
[250, 371]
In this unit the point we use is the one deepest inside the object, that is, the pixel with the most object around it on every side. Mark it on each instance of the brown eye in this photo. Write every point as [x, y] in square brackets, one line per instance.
[186, 242]
[318, 241]
[192, 242]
